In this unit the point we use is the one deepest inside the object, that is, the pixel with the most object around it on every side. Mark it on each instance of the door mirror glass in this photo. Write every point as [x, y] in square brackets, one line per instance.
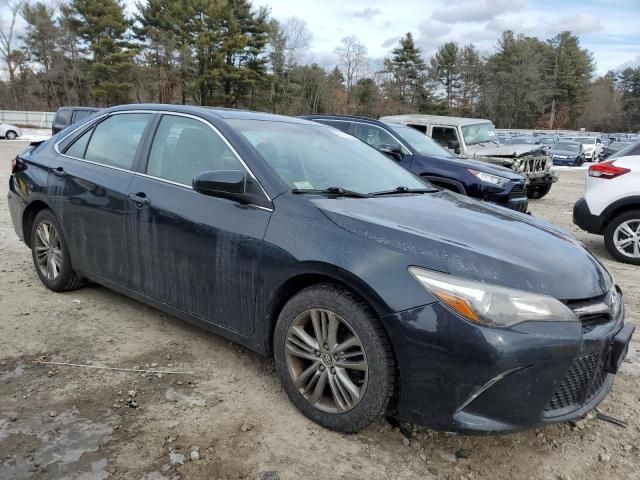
[220, 183]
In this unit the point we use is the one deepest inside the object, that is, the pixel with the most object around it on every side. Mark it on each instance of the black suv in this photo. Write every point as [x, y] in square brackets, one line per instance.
[66, 116]
[425, 157]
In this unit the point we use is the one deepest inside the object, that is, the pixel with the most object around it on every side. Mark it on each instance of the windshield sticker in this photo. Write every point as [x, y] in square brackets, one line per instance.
[303, 185]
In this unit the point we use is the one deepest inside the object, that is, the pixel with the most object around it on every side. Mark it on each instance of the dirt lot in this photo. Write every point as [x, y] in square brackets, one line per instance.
[78, 423]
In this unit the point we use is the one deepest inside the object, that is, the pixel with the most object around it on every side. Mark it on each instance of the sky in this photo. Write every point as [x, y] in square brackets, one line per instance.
[608, 28]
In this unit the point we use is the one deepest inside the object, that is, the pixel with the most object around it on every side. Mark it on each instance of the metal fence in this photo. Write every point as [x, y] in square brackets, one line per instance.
[27, 119]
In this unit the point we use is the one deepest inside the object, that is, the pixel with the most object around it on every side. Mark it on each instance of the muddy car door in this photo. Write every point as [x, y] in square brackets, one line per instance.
[88, 184]
[195, 252]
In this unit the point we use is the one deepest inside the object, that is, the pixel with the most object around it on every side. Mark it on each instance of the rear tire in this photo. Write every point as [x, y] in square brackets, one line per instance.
[621, 242]
[50, 254]
[320, 376]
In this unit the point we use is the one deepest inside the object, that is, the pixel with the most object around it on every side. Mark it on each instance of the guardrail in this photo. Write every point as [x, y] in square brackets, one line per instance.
[27, 119]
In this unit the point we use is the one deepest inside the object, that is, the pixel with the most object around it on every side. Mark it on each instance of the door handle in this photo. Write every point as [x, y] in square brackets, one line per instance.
[140, 199]
[58, 171]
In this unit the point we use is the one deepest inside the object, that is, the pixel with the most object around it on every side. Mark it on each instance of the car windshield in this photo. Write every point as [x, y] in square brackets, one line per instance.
[319, 157]
[421, 143]
[479, 133]
[572, 147]
[585, 140]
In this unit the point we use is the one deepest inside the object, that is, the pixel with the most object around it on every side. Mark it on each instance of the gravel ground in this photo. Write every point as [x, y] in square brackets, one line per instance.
[227, 417]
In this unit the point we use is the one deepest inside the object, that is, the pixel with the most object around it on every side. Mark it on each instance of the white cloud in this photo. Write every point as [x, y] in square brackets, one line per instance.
[580, 24]
[456, 11]
[367, 14]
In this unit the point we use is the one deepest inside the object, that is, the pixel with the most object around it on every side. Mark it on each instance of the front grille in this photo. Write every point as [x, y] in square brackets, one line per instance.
[533, 164]
[583, 380]
[517, 192]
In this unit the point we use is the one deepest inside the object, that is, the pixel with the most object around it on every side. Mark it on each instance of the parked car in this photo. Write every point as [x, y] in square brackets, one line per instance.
[567, 153]
[629, 150]
[426, 158]
[611, 206]
[66, 116]
[613, 148]
[592, 147]
[376, 293]
[476, 138]
[9, 132]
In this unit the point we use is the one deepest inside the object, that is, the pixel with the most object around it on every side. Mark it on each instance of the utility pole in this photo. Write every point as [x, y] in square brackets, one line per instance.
[553, 113]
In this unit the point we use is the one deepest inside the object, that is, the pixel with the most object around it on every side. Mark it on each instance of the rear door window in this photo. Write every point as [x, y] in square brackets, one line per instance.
[184, 147]
[374, 135]
[444, 135]
[78, 148]
[115, 141]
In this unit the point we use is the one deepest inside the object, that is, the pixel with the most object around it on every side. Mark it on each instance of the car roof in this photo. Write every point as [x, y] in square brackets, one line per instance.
[439, 119]
[354, 118]
[80, 108]
[218, 112]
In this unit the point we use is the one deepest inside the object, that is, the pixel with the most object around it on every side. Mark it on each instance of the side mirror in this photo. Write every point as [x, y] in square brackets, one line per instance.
[392, 150]
[220, 183]
[454, 145]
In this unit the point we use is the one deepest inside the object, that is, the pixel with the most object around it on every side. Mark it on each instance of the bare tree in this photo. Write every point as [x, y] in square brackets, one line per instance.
[353, 60]
[8, 53]
[297, 41]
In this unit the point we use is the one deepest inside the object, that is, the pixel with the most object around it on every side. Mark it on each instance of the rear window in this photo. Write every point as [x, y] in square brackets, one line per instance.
[63, 117]
[115, 141]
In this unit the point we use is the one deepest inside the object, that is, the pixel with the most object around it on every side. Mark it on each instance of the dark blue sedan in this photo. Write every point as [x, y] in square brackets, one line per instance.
[426, 158]
[567, 153]
[376, 293]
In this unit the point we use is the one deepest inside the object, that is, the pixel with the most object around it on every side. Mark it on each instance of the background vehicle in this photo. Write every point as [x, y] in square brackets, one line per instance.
[367, 285]
[611, 206]
[613, 148]
[630, 150]
[567, 153]
[592, 147]
[9, 132]
[426, 158]
[66, 116]
[476, 138]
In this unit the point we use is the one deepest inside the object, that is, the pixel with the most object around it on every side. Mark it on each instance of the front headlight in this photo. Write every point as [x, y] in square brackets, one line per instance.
[488, 178]
[491, 305]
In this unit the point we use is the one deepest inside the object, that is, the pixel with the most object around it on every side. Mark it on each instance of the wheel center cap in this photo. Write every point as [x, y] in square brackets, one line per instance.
[326, 359]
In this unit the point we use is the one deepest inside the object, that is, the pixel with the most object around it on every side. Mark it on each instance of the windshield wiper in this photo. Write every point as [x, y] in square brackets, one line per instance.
[334, 191]
[401, 190]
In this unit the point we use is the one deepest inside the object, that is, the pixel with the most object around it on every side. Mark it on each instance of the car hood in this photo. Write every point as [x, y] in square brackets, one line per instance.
[478, 165]
[452, 233]
[496, 150]
[568, 153]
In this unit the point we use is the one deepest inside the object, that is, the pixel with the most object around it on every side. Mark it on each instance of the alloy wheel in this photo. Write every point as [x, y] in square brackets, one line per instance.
[326, 360]
[11, 135]
[48, 250]
[626, 238]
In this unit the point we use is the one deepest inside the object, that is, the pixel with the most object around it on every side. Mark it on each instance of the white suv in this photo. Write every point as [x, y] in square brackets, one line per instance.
[611, 206]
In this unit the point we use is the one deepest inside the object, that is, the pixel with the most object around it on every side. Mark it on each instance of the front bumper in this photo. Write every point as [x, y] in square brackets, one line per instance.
[584, 219]
[458, 376]
[541, 178]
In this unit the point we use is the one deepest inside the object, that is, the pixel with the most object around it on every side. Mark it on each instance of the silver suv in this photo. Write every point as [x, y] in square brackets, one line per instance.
[476, 138]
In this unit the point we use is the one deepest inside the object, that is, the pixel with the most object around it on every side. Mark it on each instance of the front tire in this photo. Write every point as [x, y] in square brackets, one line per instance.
[334, 358]
[538, 191]
[10, 135]
[622, 237]
[50, 254]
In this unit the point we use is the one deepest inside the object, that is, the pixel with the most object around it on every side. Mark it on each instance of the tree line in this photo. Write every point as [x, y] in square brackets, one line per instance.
[230, 53]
